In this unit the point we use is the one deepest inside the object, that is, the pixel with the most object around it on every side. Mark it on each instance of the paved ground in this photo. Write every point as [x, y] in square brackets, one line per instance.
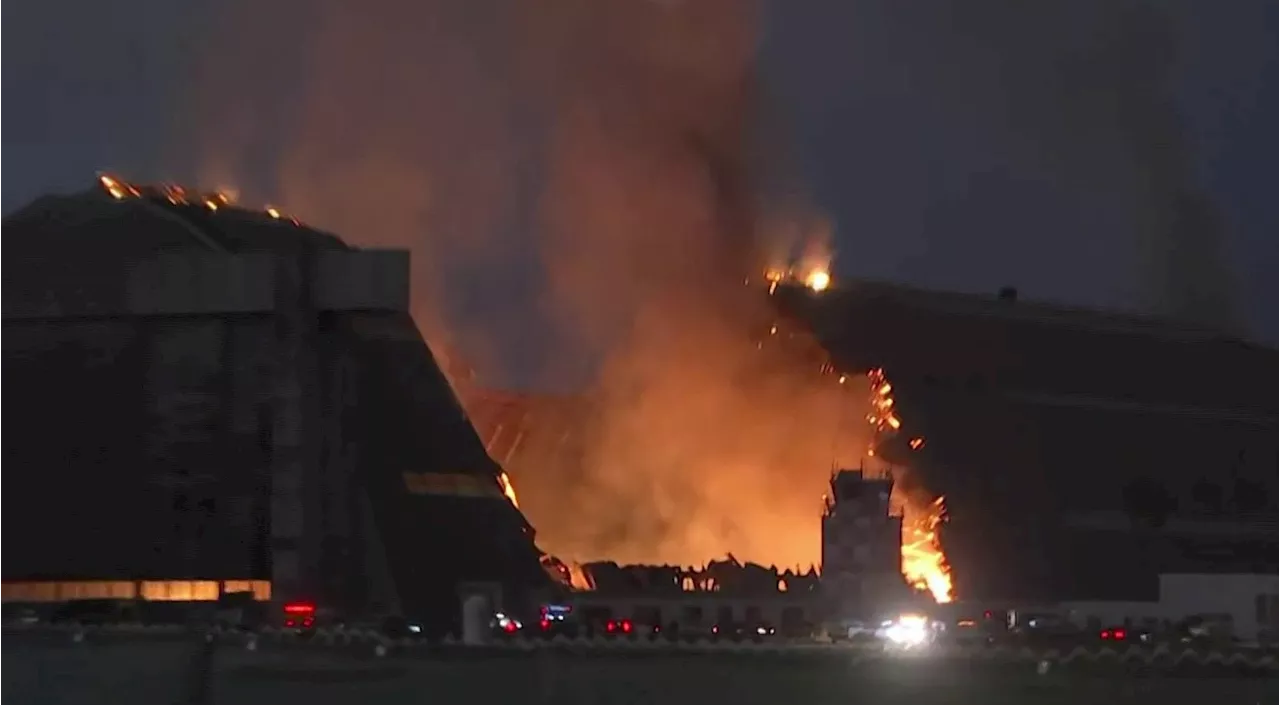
[162, 671]
[677, 680]
[54, 674]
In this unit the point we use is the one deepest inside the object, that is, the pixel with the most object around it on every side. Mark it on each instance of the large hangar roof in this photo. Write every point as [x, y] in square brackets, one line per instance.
[1039, 417]
[1003, 342]
[147, 220]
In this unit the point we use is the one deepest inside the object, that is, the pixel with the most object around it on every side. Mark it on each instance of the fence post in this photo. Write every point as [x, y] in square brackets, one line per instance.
[199, 682]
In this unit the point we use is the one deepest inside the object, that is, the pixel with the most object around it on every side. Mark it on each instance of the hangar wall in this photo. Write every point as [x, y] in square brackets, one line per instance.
[243, 417]
[1036, 413]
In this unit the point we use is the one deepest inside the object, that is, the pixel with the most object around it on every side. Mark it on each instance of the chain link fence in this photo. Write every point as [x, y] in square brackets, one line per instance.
[145, 666]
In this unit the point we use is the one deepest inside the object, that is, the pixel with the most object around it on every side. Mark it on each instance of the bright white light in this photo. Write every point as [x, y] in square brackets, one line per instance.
[415, 629]
[818, 280]
[908, 630]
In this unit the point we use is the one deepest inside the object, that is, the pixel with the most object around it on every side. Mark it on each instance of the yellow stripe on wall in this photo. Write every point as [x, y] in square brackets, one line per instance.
[453, 485]
[149, 590]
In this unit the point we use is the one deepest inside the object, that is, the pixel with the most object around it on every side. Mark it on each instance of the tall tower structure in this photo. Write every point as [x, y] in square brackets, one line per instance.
[861, 546]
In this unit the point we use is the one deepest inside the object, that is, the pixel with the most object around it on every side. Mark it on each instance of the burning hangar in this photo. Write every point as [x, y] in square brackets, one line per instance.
[1081, 454]
[207, 399]
[216, 399]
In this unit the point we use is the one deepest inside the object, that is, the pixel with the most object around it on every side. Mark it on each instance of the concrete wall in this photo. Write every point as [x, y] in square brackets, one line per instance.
[1240, 596]
[201, 283]
[364, 280]
[1182, 596]
[138, 451]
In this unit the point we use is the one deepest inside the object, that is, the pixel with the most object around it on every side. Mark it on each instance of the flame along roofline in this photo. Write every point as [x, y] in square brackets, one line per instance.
[816, 278]
[143, 217]
[175, 194]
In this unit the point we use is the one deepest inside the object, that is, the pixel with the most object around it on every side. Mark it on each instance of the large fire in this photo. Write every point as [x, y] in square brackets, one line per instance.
[924, 565]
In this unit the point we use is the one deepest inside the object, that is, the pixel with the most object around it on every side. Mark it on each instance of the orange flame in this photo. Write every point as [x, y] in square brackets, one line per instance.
[508, 489]
[579, 579]
[924, 565]
[818, 280]
[118, 188]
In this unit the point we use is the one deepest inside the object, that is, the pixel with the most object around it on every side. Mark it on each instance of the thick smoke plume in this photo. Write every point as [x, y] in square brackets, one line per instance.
[604, 160]
[1056, 133]
[1090, 86]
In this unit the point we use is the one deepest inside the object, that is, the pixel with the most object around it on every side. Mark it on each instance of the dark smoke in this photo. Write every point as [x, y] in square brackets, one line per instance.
[1122, 81]
[1053, 127]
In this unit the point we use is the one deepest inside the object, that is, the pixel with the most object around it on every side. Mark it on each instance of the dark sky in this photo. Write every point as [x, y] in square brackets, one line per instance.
[955, 145]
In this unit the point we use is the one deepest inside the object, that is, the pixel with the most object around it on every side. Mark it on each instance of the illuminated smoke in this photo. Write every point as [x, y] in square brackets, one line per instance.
[600, 159]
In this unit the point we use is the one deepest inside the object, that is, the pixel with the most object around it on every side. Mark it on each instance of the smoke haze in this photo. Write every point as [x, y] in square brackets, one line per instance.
[1052, 139]
[608, 157]
[618, 164]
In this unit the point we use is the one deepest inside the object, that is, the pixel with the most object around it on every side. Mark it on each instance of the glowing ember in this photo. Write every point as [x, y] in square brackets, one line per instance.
[818, 280]
[816, 276]
[112, 186]
[924, 565]
[508, 489]
[118, 188]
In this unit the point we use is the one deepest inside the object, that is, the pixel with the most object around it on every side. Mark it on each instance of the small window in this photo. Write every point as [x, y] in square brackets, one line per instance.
[792, 619]
[692, 614]
[724, 615]
[597, 615]
[648, 615]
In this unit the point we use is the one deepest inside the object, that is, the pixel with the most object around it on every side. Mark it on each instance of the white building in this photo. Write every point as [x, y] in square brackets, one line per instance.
[1247, 601]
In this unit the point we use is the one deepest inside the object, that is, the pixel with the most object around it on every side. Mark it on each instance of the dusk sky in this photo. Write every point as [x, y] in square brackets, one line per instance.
[954, 145]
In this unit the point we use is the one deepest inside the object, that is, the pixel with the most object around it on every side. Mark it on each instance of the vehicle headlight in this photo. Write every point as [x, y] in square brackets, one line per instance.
[907, 631]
